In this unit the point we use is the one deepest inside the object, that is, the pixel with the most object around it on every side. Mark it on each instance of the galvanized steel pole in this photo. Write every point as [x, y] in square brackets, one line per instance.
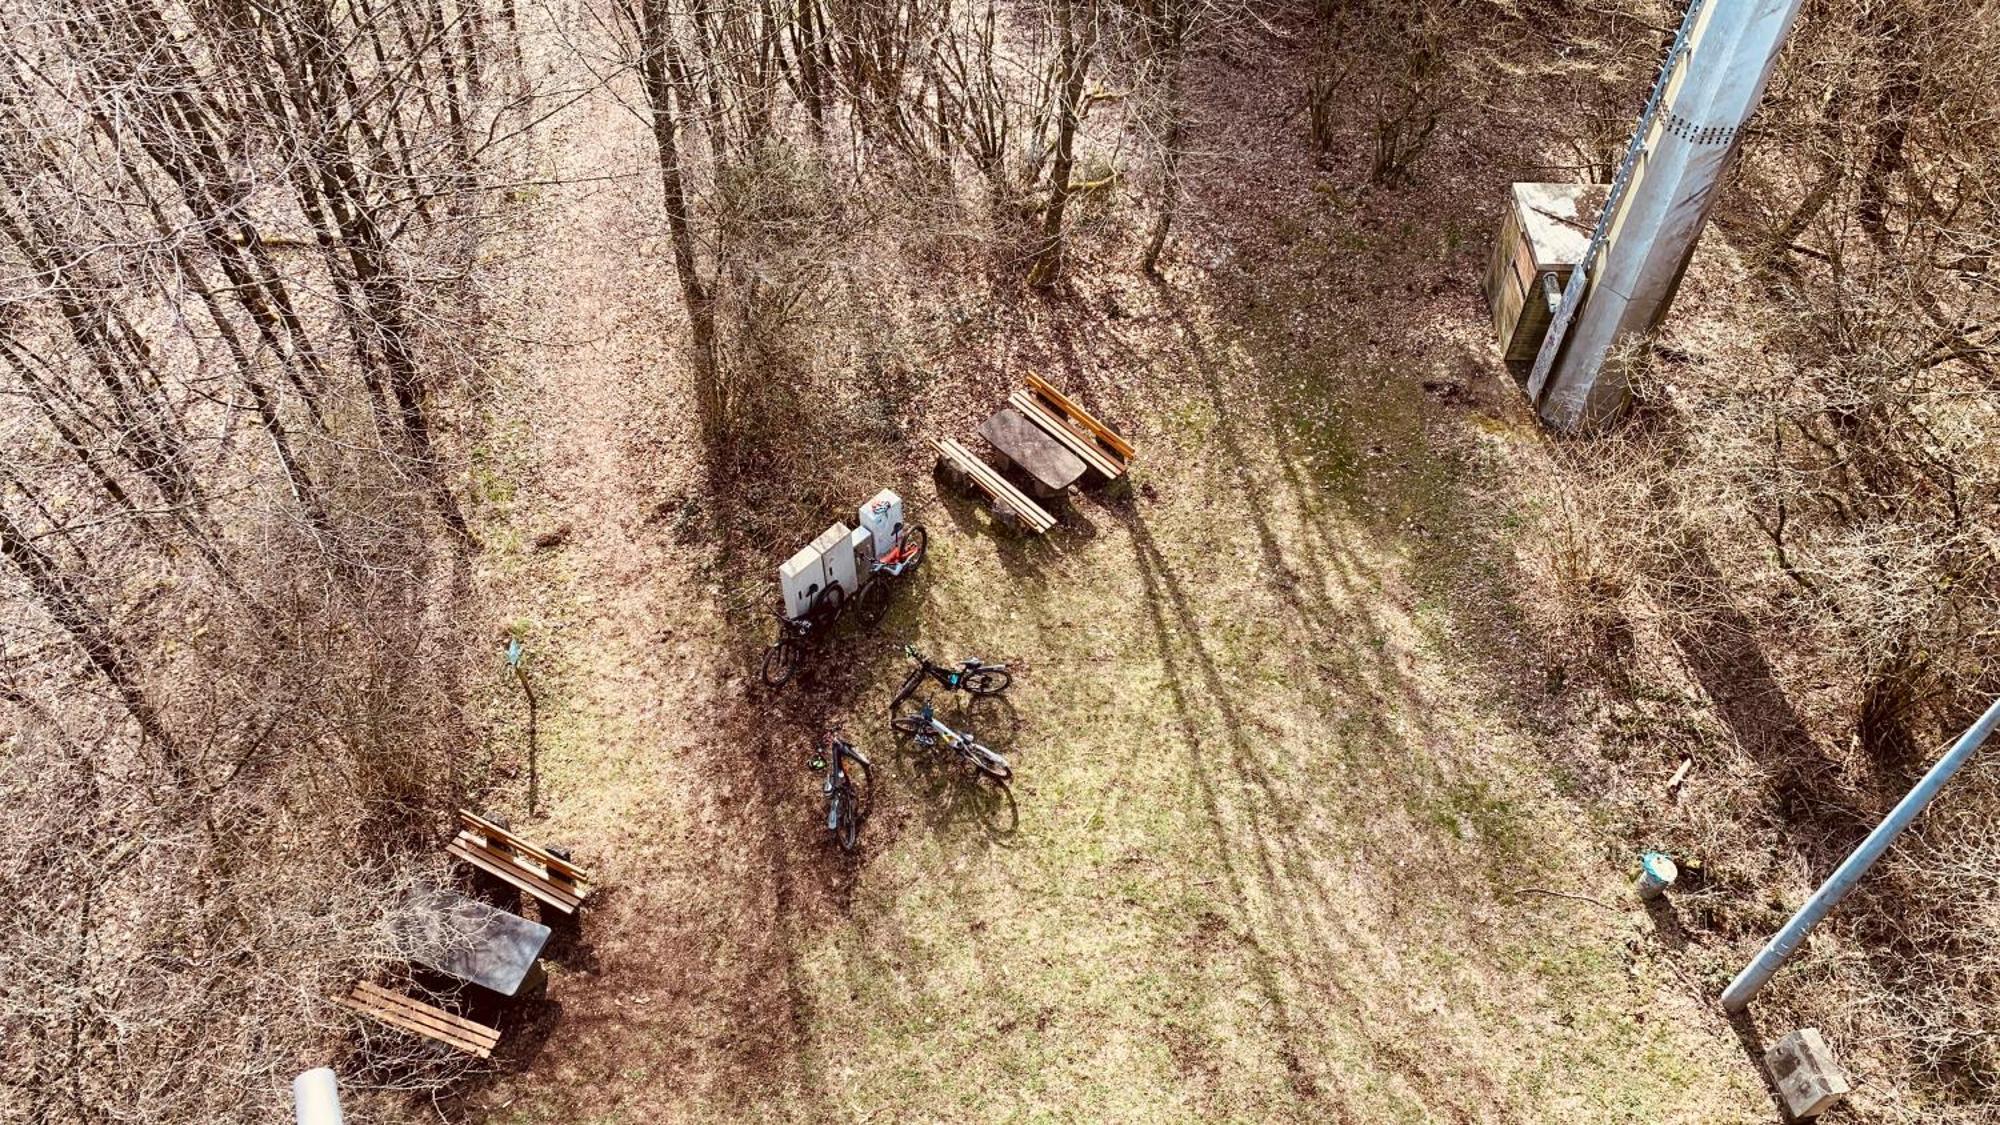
[316, 1097]
[1781, 947]
[1714, 77]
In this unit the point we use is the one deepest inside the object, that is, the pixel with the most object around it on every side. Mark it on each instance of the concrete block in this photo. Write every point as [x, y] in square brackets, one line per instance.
[1808, 1078]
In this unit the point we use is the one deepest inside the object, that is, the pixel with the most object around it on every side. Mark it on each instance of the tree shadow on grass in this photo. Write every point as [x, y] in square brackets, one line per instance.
[1719, 647]
[1294, 931]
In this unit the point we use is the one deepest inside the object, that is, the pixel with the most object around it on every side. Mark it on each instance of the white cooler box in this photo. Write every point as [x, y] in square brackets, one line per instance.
[801, 577]
[837, 558]
[882, 518]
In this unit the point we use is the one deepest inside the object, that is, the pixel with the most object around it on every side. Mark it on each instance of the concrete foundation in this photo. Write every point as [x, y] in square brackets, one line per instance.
[1808, 1078]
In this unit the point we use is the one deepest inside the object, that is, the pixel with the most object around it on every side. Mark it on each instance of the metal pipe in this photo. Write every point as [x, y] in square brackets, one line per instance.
[1579, 276]
[1659, 202]
[316, 1097]
[1787, 941]
[1552, 293]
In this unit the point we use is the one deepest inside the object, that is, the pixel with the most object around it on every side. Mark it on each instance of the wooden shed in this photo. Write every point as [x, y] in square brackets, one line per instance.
[1545, 230]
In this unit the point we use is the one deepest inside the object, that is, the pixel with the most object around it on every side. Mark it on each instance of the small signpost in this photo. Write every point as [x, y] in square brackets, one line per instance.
[517, 659]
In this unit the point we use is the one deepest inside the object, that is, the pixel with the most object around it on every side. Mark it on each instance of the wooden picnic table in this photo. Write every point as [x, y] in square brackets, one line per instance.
[468, 939]
[1047, 462]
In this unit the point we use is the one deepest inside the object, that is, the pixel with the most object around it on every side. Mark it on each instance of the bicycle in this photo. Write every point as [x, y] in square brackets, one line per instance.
[846, 805]
[902, 557]
[795, 633]
[971, 675]
[928, 732]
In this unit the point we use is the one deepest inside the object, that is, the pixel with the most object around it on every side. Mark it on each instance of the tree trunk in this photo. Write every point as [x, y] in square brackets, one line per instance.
[655, 47]
[1075, 64]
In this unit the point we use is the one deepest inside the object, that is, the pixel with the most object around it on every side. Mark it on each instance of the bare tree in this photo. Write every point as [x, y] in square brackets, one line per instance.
[1076, 28]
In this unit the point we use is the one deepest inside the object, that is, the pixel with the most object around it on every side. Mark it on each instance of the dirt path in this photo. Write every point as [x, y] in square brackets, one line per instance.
[1260, 860]
[674, 991]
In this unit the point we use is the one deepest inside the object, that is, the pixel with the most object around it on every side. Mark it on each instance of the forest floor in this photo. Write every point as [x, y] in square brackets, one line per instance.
[1283, 834]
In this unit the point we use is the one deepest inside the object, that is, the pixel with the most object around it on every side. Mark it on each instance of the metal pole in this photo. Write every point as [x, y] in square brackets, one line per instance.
[1579, 277]
[1787, 941]
[316, 1097]
[1715, 76]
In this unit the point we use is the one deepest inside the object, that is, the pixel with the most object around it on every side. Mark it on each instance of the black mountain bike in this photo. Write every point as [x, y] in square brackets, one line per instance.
[846, 803]
[929, 733]
[970, 675]
[795, 633]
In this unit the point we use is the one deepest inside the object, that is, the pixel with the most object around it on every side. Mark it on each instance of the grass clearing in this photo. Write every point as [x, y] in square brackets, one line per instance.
[1272, 802]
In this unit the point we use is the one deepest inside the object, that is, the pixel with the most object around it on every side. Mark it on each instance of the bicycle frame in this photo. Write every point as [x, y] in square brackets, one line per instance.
[839, 779]
[952, 738]
[894, 564]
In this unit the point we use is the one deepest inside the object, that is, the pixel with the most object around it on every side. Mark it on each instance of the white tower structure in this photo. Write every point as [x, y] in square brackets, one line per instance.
[1710, 84]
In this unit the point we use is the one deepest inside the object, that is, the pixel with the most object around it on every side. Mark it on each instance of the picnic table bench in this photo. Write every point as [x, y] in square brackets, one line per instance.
[413, 1015]
[507, 857]
[1098, 445]
[1010, 502]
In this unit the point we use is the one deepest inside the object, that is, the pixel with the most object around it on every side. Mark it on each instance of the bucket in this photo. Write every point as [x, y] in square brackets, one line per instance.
[1656, 873]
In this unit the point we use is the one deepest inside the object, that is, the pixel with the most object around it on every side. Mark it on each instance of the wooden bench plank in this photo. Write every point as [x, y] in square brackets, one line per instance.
[1032, 515]
[513, 874]
[420, 1023]
[986, 477]
[372, 993]
[401, 1022]
[467, 847]
[369, 991]
[557, 865]
[1064, 404]
[414, 1016]
[1092, 455]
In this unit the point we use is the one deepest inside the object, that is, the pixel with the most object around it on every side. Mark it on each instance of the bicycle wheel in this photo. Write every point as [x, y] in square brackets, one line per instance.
[780, 661]
[909, 724]
[986, 761]
[908, 689]
[915, 541]
[848, 811]
[987, 681]
[827, 606]
[872, 604]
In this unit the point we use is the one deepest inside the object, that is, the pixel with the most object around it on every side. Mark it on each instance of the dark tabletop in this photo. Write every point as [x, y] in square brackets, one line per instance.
[1031, 447]
[468, 939]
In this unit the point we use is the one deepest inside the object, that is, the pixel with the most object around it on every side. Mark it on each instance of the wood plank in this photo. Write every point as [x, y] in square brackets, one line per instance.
[501, 867]
[484, 849]
[395, 1020]
[1031, 514]
[1508, 314]
[1082, 417]
[479, 1042]
[1032, 408]
[555, 863]
[371, 991]
[493, 832]
[1524, 267]
[1019, 505]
